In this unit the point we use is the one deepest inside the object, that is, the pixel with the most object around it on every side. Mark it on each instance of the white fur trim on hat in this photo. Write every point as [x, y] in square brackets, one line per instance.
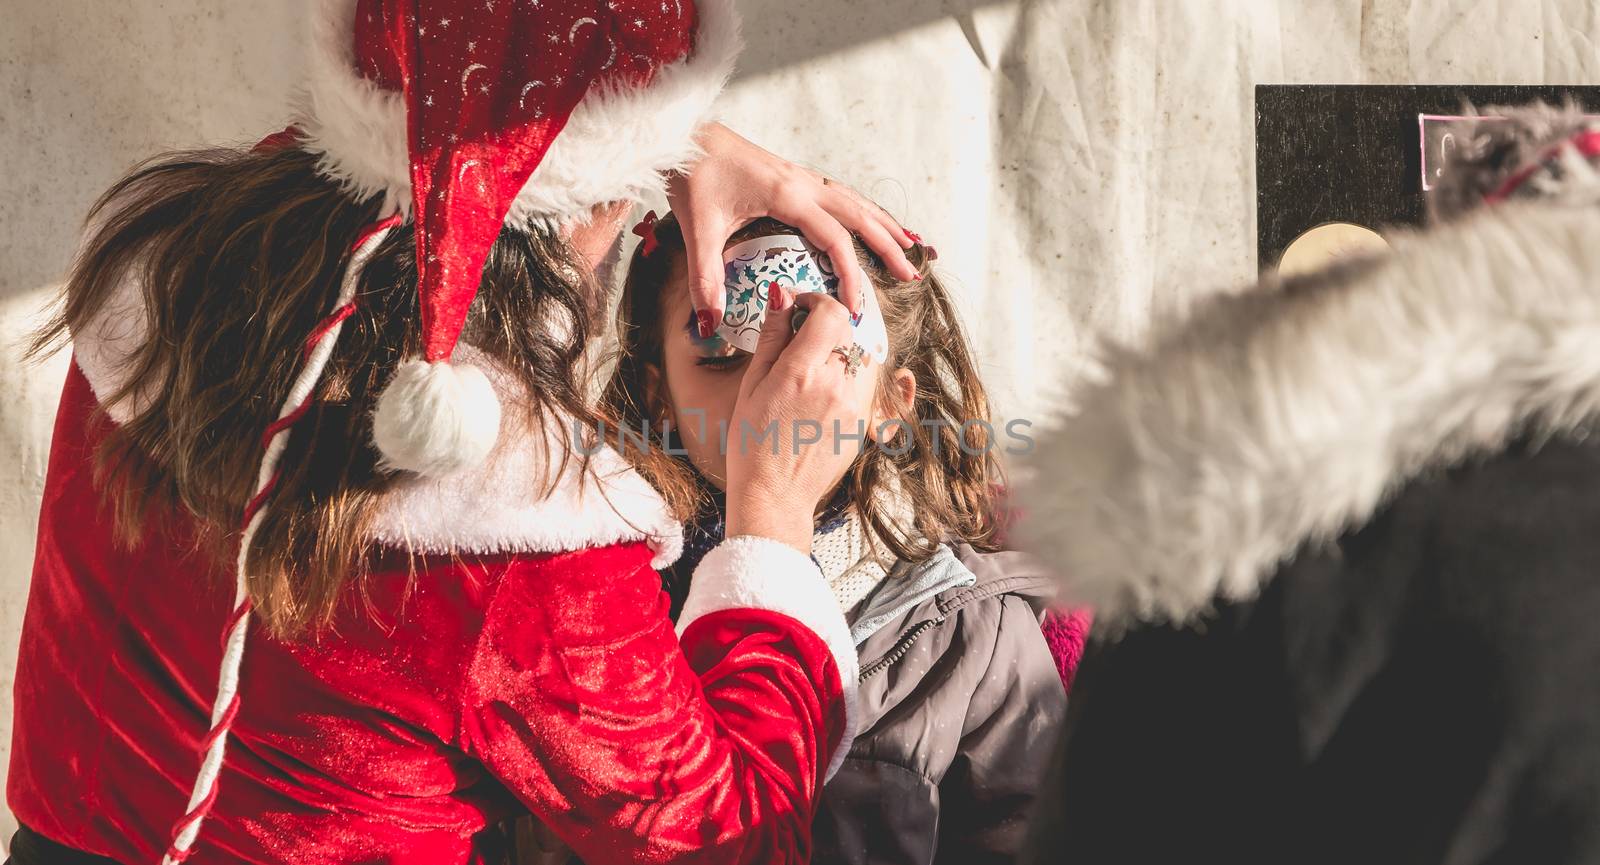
[748, 572]
[504, 507]
[617, 145]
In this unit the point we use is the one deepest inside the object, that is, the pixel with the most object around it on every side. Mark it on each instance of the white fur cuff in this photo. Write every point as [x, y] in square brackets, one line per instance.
[749, 572]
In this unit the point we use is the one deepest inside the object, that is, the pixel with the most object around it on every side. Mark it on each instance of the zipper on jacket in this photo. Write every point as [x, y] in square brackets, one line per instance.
[899, 651]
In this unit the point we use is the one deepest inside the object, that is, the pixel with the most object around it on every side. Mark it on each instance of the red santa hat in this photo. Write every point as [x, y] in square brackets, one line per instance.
[468, 115]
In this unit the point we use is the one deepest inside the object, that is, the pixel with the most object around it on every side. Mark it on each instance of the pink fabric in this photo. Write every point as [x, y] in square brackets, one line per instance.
[1066, 632]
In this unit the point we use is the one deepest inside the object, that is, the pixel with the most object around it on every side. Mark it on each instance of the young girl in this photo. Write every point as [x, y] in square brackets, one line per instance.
[959, 695]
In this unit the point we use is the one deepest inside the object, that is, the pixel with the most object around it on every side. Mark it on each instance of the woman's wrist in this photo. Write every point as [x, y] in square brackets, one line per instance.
[791, 525]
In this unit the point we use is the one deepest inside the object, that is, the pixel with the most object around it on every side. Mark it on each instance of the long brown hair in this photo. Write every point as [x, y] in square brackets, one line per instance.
[947, 470]
[239, 255]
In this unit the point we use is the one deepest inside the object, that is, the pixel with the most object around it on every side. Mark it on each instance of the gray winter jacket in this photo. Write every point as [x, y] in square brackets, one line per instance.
[960, 700]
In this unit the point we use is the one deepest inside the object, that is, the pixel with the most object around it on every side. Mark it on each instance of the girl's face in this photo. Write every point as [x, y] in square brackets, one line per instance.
[698, 384]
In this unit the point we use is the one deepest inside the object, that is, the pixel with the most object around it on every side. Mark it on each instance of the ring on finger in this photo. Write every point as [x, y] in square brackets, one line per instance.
[854, 357]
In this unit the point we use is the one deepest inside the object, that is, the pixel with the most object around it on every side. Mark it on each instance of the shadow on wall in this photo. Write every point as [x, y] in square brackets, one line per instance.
[782, 33]
[90, 89]
[1123, 171]
[184, 77]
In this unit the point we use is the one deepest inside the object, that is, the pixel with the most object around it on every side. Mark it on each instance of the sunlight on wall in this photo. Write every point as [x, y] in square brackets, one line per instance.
[28, 395]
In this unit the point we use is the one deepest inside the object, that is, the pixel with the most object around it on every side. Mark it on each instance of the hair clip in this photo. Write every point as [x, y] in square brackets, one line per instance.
[646, 229]
[283, 139]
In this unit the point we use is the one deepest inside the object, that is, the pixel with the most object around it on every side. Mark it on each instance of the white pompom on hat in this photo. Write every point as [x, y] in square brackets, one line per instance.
[436, 419]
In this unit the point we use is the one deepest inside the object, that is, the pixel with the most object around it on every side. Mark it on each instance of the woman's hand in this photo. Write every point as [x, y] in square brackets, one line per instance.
[796, 386]
[737, 182]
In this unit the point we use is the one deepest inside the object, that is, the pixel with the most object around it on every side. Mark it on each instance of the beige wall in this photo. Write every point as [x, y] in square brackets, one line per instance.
[1077, 162]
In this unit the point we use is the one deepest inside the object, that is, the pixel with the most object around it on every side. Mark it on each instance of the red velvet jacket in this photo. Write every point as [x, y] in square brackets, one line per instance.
[538, 669]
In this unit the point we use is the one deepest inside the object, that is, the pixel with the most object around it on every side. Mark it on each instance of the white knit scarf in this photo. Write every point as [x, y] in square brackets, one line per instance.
[852, 559]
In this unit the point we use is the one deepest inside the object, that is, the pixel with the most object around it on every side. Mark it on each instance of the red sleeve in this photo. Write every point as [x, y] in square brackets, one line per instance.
[634, 748]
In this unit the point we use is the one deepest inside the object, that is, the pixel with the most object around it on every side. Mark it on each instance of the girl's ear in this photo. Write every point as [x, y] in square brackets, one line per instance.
[655, 394]
[896, 402]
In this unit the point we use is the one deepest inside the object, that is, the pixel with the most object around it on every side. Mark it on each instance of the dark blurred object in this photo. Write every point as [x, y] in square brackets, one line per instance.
[30, 848]
[533, 843]
[1340, 536]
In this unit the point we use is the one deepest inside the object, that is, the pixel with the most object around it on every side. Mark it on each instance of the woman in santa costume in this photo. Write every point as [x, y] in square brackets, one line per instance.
[319, 578]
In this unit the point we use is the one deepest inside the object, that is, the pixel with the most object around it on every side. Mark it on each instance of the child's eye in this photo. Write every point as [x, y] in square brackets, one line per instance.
[722, 361]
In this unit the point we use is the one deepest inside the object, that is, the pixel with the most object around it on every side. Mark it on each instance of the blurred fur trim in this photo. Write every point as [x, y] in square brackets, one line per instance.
[1286, 415]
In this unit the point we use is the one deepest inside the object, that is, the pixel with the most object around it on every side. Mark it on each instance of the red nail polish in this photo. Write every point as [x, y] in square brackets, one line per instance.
[708, 323]
[774, 297]
[933, 254]
[918, 277]
[915, 238]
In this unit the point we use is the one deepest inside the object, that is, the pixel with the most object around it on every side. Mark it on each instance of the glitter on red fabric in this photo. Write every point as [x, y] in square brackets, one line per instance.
[486, 94]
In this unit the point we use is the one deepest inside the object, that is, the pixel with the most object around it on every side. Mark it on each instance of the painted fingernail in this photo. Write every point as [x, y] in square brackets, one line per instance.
[708, 323]
[918, 277]
[774, 297]
[855, 318]
[933, 254]
[915, 238]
